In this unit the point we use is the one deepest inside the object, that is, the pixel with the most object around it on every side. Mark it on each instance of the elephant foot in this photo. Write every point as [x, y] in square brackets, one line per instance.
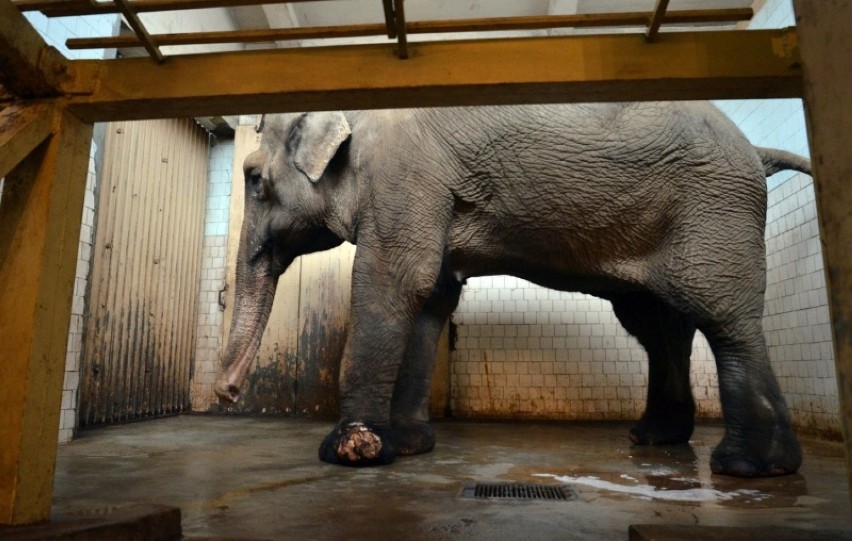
[413, 438]
[358, 444]
[758, 458]
[668, 429]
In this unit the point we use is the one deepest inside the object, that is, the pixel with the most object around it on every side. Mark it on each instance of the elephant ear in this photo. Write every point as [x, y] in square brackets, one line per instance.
[315, 140]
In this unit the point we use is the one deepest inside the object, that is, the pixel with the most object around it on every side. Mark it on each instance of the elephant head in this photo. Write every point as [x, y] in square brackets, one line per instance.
[287, 200]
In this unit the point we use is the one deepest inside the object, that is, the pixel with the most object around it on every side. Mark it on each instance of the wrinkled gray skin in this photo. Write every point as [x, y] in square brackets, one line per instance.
[658, 208]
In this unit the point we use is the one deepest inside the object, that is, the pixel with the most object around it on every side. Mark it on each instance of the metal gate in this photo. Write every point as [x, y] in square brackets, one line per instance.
[142, 307]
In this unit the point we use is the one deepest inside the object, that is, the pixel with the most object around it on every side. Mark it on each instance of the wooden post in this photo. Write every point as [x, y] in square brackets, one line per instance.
[825, 37]
[40, 215]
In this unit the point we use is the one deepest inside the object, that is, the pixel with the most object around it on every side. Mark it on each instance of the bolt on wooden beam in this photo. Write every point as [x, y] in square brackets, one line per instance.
[29, 68]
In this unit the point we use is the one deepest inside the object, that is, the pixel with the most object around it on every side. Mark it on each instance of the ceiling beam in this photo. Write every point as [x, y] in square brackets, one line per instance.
[693, 65]
[29, 68]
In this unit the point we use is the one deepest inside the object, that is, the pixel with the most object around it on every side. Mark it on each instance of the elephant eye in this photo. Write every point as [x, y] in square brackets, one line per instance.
[254, 183]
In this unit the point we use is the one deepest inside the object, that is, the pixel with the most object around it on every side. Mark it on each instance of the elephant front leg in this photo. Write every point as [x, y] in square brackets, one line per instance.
[363, 436]
[385, 306]
[410, 406]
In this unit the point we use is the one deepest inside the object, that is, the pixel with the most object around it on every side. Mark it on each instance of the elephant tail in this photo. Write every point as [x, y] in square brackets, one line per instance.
[780, 160]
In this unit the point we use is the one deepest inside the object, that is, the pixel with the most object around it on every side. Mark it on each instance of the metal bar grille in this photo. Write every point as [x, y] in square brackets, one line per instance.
[518, 491]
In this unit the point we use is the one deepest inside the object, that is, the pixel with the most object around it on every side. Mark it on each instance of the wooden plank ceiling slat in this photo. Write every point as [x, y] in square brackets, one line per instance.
[419, 27]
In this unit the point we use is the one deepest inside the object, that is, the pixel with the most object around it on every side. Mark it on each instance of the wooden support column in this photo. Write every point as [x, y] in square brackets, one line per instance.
[825, 34]
[40, 216]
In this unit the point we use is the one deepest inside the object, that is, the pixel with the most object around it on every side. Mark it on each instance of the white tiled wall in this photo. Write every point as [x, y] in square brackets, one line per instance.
[531, 352]
[214, 258]
[55, 31]
[526, 351]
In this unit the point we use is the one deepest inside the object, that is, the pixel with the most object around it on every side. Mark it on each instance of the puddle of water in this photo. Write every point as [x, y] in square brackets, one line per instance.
[697, 495]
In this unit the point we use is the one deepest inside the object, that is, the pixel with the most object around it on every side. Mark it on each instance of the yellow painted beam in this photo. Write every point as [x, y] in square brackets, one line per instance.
[826, 29]
[28, 66]
[39, 234]
[23, 126]
[623, 67]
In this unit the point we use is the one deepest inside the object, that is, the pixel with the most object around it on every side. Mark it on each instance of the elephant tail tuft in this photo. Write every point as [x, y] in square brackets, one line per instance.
[775, 160]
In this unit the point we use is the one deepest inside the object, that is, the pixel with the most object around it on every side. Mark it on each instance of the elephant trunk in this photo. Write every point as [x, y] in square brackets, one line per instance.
[256, 281]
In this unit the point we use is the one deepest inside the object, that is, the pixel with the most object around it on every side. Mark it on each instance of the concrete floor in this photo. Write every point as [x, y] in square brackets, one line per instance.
[259, 478]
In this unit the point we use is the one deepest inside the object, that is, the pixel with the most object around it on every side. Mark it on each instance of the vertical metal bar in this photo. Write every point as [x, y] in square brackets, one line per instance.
[387, 5]
[140, 31]
[656, 19]
[402, 38]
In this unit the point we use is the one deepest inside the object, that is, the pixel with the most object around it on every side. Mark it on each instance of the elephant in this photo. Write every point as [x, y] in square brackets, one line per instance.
[659, 208]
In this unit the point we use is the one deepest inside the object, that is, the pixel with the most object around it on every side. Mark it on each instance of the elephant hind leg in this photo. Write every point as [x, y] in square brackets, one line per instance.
[759, 439]
[666, 335]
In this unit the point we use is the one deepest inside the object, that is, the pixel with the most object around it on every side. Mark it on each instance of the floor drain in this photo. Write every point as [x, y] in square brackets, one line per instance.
[519, 491]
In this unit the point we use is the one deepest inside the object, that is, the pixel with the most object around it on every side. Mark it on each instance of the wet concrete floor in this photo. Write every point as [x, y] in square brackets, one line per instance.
[259, 478]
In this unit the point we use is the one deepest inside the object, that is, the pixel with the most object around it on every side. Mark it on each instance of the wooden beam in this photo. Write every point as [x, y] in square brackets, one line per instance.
[623, 67]
[390, 25]
[414, 27]
[28, 67]
[656, 19]
[39, 235]
[23, 126]
[401, 32]
[140, 30]
[68, 8]
[826, 41]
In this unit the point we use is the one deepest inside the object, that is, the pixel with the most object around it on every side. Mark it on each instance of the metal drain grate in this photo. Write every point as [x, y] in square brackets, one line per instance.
[519, 491]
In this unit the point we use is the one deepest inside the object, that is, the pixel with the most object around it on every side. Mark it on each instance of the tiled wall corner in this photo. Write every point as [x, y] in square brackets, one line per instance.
[214, 259]
[55, 31]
